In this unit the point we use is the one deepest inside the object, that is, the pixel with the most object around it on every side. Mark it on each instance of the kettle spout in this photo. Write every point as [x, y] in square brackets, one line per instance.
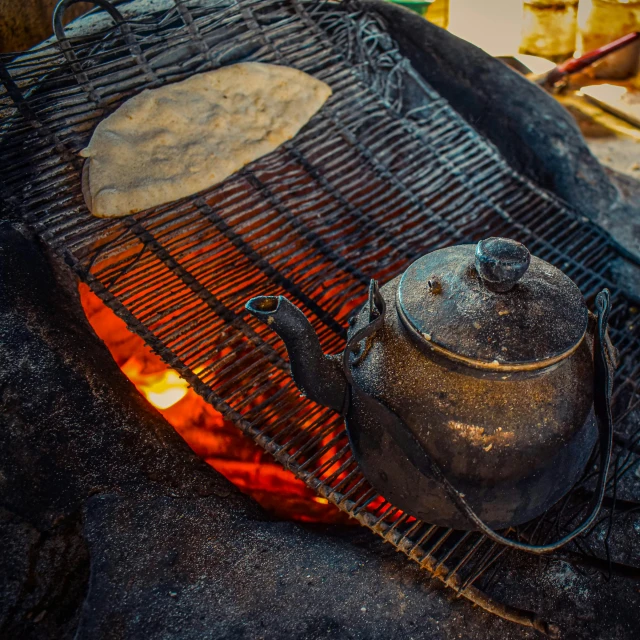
[318, 376]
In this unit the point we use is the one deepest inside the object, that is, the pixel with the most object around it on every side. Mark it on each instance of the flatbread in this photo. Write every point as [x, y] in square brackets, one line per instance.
[168, 143]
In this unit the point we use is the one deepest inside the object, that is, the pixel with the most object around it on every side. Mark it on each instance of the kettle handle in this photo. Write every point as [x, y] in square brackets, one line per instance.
[418, 456]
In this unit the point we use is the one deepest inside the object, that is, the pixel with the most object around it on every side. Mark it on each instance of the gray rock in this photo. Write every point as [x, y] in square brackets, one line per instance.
[191, 569]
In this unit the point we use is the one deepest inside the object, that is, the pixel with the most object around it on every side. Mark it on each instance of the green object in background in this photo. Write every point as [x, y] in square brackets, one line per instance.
[419, 6]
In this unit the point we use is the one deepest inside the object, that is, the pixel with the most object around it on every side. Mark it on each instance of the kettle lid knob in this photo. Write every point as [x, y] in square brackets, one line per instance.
[501, 262]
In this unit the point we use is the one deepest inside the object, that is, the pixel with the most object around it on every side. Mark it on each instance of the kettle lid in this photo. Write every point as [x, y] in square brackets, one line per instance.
[492, 306]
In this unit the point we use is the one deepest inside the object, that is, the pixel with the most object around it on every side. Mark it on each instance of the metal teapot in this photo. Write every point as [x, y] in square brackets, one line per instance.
[473, 386]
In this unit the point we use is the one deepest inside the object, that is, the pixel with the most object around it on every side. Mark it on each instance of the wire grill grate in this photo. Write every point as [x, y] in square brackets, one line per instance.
[376, 179]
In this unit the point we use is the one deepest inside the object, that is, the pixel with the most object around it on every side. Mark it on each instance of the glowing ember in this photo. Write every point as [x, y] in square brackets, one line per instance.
[162, 390]
[206, 431]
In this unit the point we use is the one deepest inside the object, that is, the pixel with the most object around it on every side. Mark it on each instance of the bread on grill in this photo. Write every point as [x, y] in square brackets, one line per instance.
[168, 143]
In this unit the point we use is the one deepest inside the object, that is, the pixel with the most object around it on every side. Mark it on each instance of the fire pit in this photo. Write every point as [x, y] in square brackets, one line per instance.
[216, 440]
[386, 172]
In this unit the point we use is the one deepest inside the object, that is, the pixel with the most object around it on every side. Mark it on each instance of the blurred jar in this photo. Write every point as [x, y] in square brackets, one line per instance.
[603, 21]
[439, 13]
[549, 29]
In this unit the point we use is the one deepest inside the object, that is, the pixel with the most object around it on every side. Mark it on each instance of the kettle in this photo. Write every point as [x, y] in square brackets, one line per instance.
[474, 386]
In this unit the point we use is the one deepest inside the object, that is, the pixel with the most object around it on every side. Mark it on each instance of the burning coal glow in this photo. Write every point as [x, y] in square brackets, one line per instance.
[162, 390]
[214, 439]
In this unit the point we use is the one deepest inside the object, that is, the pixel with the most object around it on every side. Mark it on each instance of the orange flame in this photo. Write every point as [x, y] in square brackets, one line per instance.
[206, 431]
[162, 390]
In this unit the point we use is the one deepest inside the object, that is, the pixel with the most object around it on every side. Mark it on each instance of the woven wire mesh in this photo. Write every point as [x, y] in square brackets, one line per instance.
[384, 173]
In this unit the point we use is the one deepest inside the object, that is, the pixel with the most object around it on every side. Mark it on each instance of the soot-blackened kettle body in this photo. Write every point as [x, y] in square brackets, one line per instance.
[467, 383]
